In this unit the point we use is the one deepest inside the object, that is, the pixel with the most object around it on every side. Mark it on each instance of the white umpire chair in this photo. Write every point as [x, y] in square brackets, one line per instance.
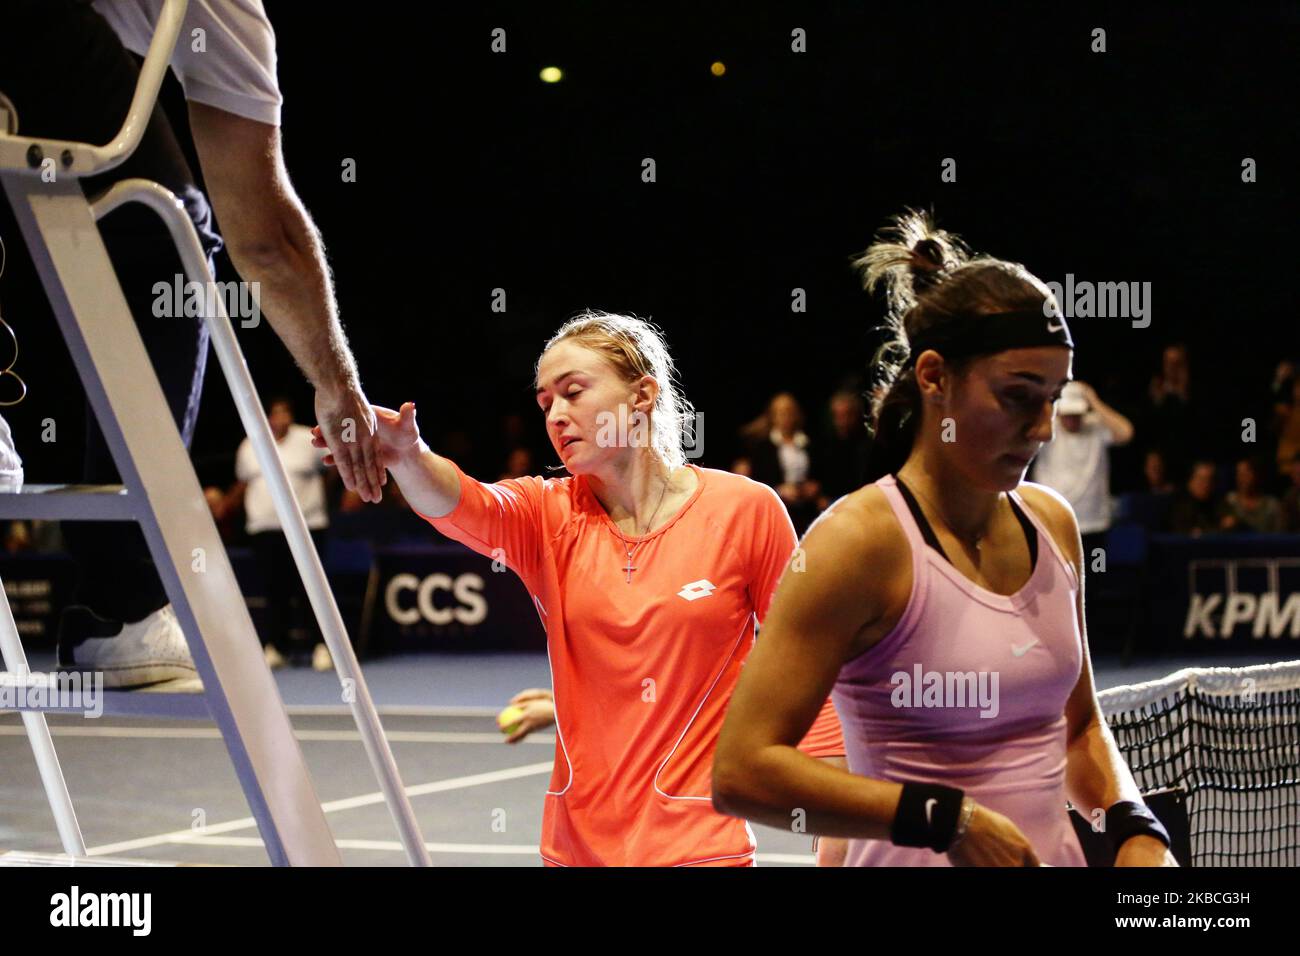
[161, 492]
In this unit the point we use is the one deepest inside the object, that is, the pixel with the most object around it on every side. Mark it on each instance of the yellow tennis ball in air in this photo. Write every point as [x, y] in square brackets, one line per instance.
[509, 719]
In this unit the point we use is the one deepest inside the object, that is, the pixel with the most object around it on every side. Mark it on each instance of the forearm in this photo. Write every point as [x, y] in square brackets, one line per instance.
[272, 240]
[780, 786]
[429, 482]
[234, 499]
[297, 296]
[1121, 428]
[1096, 775]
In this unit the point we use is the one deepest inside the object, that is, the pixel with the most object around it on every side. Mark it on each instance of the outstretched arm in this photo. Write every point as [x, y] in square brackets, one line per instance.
[1120, 428]
[429, 482]
[273, 242]
[502, 520]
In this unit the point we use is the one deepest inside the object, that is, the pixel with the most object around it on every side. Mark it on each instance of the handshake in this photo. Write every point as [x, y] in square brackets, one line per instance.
[365, 444]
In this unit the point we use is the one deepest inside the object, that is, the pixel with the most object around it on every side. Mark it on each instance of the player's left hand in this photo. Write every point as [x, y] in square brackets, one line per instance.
[1144, 851]
[539, 712]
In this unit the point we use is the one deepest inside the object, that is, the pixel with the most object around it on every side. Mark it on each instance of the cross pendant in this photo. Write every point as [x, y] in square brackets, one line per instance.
[629, 569]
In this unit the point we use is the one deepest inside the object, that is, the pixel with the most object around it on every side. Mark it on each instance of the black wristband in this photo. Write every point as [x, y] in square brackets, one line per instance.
[1129, 818]
[926, 816]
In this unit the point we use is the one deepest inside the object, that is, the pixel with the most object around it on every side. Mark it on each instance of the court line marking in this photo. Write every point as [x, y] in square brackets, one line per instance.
[394, 710]
[493, 849]
[501, 849]
[212, 733]
[332, 806]
[192, 837]
[397, 710]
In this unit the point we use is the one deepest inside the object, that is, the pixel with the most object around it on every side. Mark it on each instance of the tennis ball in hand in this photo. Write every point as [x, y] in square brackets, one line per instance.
[509, 719]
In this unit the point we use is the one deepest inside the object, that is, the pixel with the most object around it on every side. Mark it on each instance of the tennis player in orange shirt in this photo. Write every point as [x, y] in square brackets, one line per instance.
[649, 574]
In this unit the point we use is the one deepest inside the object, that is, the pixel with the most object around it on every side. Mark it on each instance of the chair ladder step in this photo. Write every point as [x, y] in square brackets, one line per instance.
[68, 503]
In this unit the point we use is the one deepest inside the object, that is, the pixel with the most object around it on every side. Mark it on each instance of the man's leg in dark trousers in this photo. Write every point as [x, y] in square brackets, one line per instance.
[304, 615]
[96, 78]
[275, 569]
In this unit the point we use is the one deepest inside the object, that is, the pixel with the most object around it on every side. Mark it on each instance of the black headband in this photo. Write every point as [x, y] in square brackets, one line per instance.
[986, 334]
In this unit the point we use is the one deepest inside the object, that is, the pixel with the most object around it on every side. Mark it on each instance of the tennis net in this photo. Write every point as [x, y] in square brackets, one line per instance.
[1229, 738]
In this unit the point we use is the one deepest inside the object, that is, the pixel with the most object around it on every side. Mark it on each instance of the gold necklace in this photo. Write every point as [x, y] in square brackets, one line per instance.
[630, 567]
[978, 538]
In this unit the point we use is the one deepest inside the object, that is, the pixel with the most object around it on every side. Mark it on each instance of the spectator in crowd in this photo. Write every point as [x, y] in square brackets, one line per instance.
[1284, 379]
[1198, 509]
[282, 583]
[38, 536]
[1274, 413]
[842, 454]
[1169, 416]
[519, 464]
[1076, 461]
[1149, 507]
[782, 456]
[1155, 470]
[513, 439]
[351, 503]
[1291, 498]
[1286, 425]
[17, 538]
[222, 516]
[1247, 508]
[751, 434]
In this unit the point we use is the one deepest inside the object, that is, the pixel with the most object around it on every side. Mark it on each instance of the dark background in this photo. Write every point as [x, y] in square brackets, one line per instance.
[473, 175]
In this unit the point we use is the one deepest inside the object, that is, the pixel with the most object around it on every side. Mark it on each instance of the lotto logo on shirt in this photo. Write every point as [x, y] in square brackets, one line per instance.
[697, 589]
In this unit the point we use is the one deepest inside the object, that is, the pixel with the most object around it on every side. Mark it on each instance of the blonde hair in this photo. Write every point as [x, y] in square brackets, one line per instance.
[635, 347]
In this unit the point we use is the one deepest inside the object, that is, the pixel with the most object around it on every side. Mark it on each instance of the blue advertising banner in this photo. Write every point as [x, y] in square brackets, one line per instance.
[1233, 592]
[447, 598]
[38, 587]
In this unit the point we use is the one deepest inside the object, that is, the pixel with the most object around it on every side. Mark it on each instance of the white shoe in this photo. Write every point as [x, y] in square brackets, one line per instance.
[146, 652]
[320, 658]
[274, 659]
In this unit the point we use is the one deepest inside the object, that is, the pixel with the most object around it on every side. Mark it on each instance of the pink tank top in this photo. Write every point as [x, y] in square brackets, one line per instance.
[969, 690]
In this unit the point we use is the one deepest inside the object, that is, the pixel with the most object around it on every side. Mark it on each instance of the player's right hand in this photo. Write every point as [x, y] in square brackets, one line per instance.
[396, 435]
[992, 840]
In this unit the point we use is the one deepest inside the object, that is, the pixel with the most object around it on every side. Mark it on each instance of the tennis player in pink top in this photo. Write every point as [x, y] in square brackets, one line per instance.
[943, 603]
